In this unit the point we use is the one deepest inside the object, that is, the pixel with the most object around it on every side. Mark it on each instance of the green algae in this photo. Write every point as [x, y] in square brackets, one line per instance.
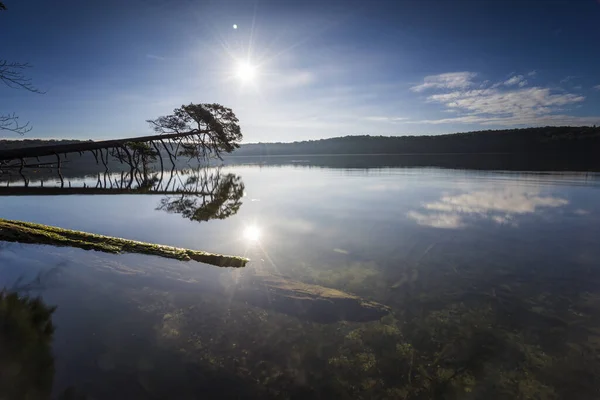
[29, 232]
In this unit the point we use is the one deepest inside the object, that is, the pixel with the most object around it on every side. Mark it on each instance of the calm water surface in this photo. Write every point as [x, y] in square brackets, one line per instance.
[492, 279]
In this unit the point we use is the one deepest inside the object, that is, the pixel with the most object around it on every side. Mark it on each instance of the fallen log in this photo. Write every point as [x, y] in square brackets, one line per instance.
[32, 233]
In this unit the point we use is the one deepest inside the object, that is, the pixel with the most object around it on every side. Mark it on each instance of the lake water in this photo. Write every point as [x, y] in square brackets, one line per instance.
[492, 280]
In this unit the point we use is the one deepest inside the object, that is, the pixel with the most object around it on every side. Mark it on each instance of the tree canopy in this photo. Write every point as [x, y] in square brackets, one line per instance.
[210, 129]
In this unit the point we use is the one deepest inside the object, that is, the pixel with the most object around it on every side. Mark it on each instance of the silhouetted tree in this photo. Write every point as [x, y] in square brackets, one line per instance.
[195, 130]
[210, 129]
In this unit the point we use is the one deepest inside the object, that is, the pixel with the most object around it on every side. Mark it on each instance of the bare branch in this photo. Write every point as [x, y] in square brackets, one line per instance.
[11, 74]
[10, 122]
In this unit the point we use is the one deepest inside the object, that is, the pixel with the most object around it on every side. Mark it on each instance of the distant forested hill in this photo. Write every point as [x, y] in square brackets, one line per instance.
[16, 144]
[528, 140]
[548, 148]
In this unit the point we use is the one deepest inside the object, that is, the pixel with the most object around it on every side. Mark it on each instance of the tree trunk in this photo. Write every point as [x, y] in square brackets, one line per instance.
[41, 151]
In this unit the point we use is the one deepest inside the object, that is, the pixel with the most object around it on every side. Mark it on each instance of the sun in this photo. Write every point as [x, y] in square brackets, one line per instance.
[246, 72]
[252, 233]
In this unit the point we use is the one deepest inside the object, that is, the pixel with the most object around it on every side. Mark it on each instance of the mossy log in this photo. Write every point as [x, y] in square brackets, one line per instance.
[314, 302]
[28, 232]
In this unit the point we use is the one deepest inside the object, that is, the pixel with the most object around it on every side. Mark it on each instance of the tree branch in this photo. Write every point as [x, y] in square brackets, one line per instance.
[10, 122]
[12, 76]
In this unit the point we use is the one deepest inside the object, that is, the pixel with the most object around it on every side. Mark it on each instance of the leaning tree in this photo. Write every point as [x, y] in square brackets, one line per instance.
[203, 130]
[200, 131]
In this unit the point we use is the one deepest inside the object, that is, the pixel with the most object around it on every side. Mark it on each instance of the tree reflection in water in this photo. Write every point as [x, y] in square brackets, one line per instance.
[206, 195]
[26, 361]
[199, 194]
[26, 333]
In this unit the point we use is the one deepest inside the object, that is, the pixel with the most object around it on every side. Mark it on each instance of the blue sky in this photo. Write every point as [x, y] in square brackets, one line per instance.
[323, 68]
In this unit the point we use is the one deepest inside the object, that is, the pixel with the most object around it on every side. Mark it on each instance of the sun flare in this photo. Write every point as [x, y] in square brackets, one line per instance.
[246, 72]
[252, 233]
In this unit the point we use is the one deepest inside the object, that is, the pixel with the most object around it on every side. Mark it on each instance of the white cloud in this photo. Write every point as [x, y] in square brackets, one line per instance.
[443, 221]
[597, 87]
[567, 79]
[500, 205]
[535, 101]
[450, 80]
[532, 73]
[516, 80]
[546, 120]
[581, 211]
[385, 187]
[502, 103]
[504, 220]
[391, 120]
[341, 251]
[508, 200]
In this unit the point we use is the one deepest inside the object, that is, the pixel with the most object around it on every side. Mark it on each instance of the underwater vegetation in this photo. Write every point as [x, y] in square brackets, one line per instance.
[451, 333]
[26, 360]
[454, 330]
[507, 346]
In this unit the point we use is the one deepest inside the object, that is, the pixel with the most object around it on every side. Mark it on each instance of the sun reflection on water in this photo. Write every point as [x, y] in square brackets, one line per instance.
[252, 233]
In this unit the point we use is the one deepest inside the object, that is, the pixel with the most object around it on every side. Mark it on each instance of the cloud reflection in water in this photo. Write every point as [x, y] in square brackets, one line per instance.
[500, 205]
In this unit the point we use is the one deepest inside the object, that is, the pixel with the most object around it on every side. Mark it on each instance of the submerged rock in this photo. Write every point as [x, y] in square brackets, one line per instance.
[313, 302]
